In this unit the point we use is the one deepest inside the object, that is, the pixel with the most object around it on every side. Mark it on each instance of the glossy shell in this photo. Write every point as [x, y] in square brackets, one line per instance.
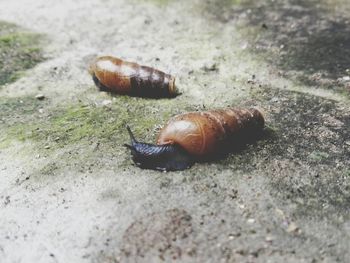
[203, 134]
[115, 75]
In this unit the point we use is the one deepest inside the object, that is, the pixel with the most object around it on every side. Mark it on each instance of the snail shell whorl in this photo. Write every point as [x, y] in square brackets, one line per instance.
[124, 77]
[204, 133]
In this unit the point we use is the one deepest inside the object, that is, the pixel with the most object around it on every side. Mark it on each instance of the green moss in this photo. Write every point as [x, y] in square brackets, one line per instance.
[159, 2]
[49, 169]
[15, 113]
[318, 156]
[19, 50]
[80, 135]
[234, 2]
[12, 108]
[81, 123]
[86, 123]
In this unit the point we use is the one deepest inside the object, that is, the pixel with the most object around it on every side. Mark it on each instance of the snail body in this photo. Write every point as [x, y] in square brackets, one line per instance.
[159, 157]
[197, 136]
[123, 77]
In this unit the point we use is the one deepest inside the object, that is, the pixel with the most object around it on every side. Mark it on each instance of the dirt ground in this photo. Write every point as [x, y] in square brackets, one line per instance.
[69, 191]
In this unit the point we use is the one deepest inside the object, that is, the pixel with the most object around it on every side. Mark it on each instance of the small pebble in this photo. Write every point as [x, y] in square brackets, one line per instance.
[47, 147]
[292, 228]
[234, 235]
[244, 46]
[209, 66]
[251, 221]
[106, 102]
[269, 239]
[40, 96]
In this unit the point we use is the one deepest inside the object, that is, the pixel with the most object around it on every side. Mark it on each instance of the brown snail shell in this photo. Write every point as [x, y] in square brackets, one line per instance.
[203, 134]
[196, 136]
[123, 77]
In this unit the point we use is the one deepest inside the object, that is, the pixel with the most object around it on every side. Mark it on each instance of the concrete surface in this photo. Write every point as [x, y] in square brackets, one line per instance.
[68, 189]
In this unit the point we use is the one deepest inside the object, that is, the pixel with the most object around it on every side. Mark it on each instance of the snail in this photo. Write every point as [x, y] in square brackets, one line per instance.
[122, 77]
[196, 136]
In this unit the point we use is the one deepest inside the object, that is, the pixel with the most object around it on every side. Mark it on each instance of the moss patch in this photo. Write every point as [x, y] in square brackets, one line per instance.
[19, 50]
[89, 122]
[89, 136]
[15, 113]
[159, 2]
[13, 110]
[308, 144]
[301, 155]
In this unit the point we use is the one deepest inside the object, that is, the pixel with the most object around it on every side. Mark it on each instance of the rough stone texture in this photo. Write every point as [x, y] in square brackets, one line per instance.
[68, 189]
[163, 235]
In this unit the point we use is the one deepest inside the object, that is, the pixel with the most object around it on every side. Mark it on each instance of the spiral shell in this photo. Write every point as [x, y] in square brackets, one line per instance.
[122, 77]
[203, 134]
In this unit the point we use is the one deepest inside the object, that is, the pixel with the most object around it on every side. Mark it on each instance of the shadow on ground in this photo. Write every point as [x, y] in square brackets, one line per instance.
[304, 153]
[298, 170]
[305, 40]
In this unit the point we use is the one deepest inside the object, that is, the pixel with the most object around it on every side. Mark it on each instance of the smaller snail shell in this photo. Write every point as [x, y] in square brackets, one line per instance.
[123, 77]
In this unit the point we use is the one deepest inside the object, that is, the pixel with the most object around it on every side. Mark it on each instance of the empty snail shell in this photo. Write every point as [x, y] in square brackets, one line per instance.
[115, 75]
[196, 136]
